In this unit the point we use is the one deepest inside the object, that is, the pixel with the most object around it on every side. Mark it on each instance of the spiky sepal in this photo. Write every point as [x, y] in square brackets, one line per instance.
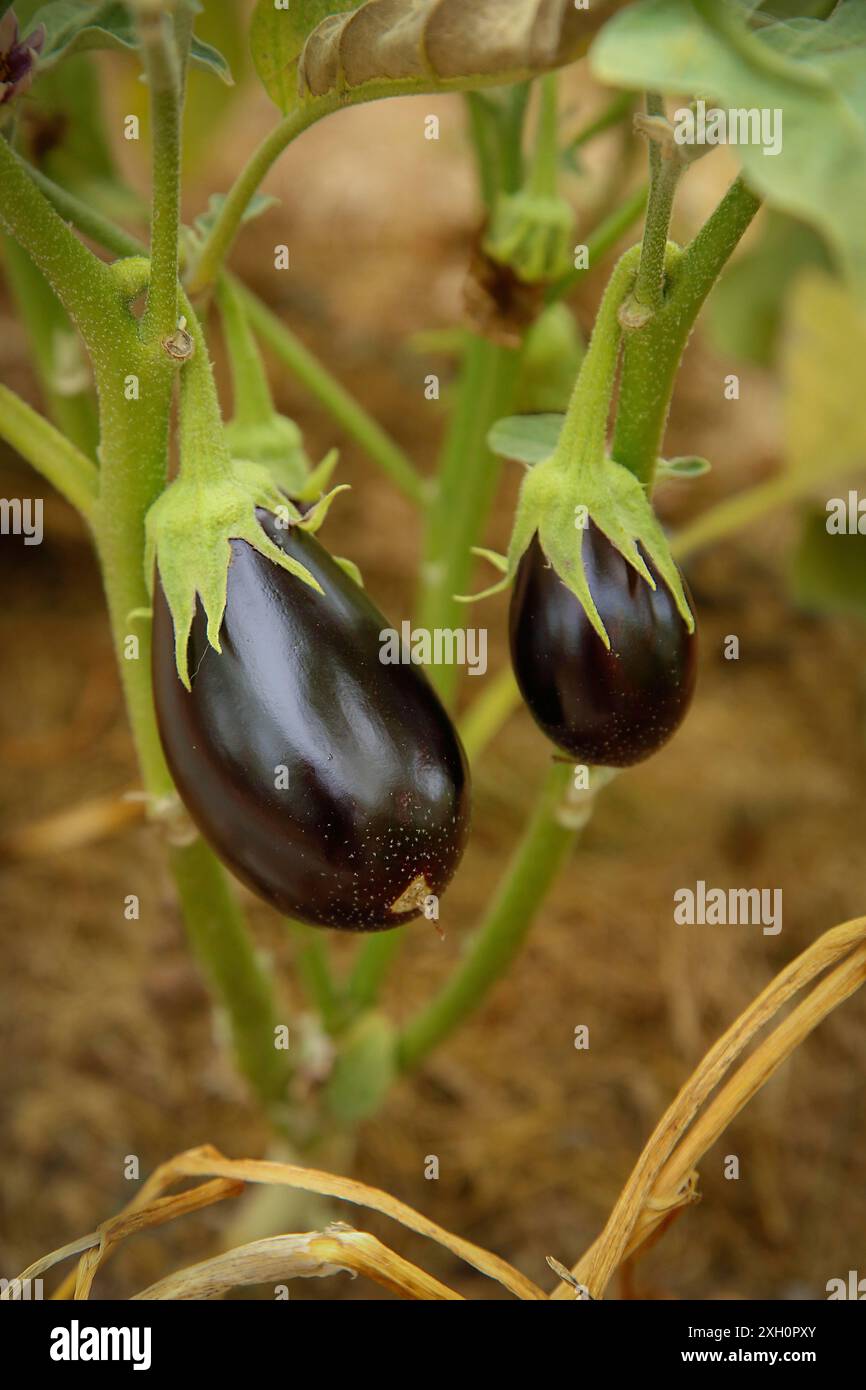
[189, 531]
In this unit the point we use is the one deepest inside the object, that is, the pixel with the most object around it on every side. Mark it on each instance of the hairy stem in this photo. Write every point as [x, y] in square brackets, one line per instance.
[664, 176]
[164, 78]
[652, 351]
[602, 240]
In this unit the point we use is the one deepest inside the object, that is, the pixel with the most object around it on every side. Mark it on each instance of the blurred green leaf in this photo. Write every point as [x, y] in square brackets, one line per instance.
[550, 359]
[822, 360]
[526, 438]
[73, 26]
[687, 466]
[746, 309]
[277, 38]
[812, 70]
[258, 204]
[828, 573]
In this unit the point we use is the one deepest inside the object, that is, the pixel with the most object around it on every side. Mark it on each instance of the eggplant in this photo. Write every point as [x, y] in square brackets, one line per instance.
[611, 708]
[375, 814]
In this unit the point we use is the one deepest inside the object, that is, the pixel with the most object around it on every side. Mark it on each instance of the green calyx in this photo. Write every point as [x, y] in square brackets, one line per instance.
[578, 482]
[532, 233]
[277, 444]
[189, 530]
[213, 501]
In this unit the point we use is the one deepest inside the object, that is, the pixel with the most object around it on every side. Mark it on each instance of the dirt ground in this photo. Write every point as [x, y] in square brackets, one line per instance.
[109, 1046]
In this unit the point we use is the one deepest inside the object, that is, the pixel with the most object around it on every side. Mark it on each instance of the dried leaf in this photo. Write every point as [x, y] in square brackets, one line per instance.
[313, 1255]
[429, 45]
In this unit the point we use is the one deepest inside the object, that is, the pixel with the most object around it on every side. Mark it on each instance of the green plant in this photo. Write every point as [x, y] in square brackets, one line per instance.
[141, 318]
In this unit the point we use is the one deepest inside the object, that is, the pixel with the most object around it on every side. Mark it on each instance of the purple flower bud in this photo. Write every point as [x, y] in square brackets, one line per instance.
[17, 56]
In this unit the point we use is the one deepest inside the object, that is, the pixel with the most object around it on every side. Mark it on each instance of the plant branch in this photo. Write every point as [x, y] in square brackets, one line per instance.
[665, 170]
[49, 452]
[219, 241]
[653, 349]
[84, 284]
[342, 406]
[603, 239]
[164, 79]
[252, 394]
[240, 981]
[345, 410]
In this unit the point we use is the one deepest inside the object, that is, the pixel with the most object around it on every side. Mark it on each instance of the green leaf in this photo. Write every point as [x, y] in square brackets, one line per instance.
[688, 466]
[258, 204]
[526, 438]
[550, 359]
[822, 365]
[811, 70]
[828, 572]
[746, 309]
[277, 38]
[73, 26]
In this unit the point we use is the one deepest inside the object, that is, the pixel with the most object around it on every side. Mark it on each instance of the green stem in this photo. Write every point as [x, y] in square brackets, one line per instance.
[236, 973]
[84, 285]
[652, 352]
[253, 403]
[744, 508]
[204, 453]
[664, 177]
[603, 239]
[466, 485]
[371, 968]
[543, 851]
[65, 379]
[543, 175]
[314, 968]
[49, 452]
[86, 218]
[345, 410]
[219, 240]
[162, 68]
[616, 111]
[584, 430]
[488, 712]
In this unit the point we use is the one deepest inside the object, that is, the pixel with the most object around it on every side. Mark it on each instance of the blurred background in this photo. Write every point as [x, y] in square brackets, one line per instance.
[108, 1044]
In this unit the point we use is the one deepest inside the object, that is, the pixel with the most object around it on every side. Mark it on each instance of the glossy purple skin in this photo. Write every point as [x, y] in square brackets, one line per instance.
[608, 708]
[378, 791]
